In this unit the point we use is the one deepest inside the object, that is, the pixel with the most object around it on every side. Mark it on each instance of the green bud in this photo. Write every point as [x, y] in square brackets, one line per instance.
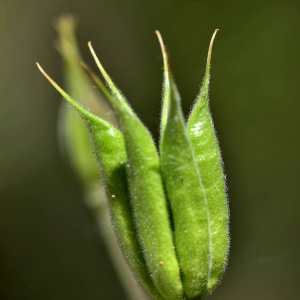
[176, 251]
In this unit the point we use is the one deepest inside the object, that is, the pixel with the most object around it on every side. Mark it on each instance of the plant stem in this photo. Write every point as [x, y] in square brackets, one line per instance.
[95, 198]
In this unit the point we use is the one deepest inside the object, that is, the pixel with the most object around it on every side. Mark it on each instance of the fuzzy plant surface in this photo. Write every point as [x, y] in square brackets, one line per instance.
[169, 210]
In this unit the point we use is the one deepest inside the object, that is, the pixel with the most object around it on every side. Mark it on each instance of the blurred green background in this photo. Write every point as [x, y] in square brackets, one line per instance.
[50, 247]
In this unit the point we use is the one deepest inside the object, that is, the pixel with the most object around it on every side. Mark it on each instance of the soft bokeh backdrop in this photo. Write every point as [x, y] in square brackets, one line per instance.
[50, 247]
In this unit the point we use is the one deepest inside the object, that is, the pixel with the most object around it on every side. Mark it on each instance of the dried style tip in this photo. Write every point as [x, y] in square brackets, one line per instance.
[161, 41]
[61, 91]
[65, 95]
[166, 84]
[165, 53]
[85, 114]
[119, 98]
[209, 52]
[105, 75]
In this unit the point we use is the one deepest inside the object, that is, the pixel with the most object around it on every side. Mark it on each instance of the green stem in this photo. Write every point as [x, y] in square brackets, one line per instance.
[95, 198]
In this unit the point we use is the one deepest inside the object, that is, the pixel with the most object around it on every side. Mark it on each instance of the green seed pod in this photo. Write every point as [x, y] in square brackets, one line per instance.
[191, 172]
[209, 162]
[147, 197]
[109, 147]
[184, 189]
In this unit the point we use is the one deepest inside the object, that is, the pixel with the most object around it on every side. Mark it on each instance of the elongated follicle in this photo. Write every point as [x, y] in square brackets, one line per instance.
[208, 158]
[148, 200]
[184, 189]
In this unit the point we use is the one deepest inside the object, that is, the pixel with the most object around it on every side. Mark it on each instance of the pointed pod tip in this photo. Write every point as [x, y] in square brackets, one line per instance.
[163, 48]
[104, 74]
[77, 106]
[90, 46]
[58, 88]
[50, 79]
[209, 51]
[44, 73]
[42, 70]
[92, 50]
[212, 39]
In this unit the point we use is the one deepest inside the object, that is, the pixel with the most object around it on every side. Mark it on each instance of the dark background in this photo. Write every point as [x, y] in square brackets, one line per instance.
[49, 244]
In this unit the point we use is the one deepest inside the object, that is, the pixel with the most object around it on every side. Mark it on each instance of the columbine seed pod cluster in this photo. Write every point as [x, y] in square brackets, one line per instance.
[169, 211]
